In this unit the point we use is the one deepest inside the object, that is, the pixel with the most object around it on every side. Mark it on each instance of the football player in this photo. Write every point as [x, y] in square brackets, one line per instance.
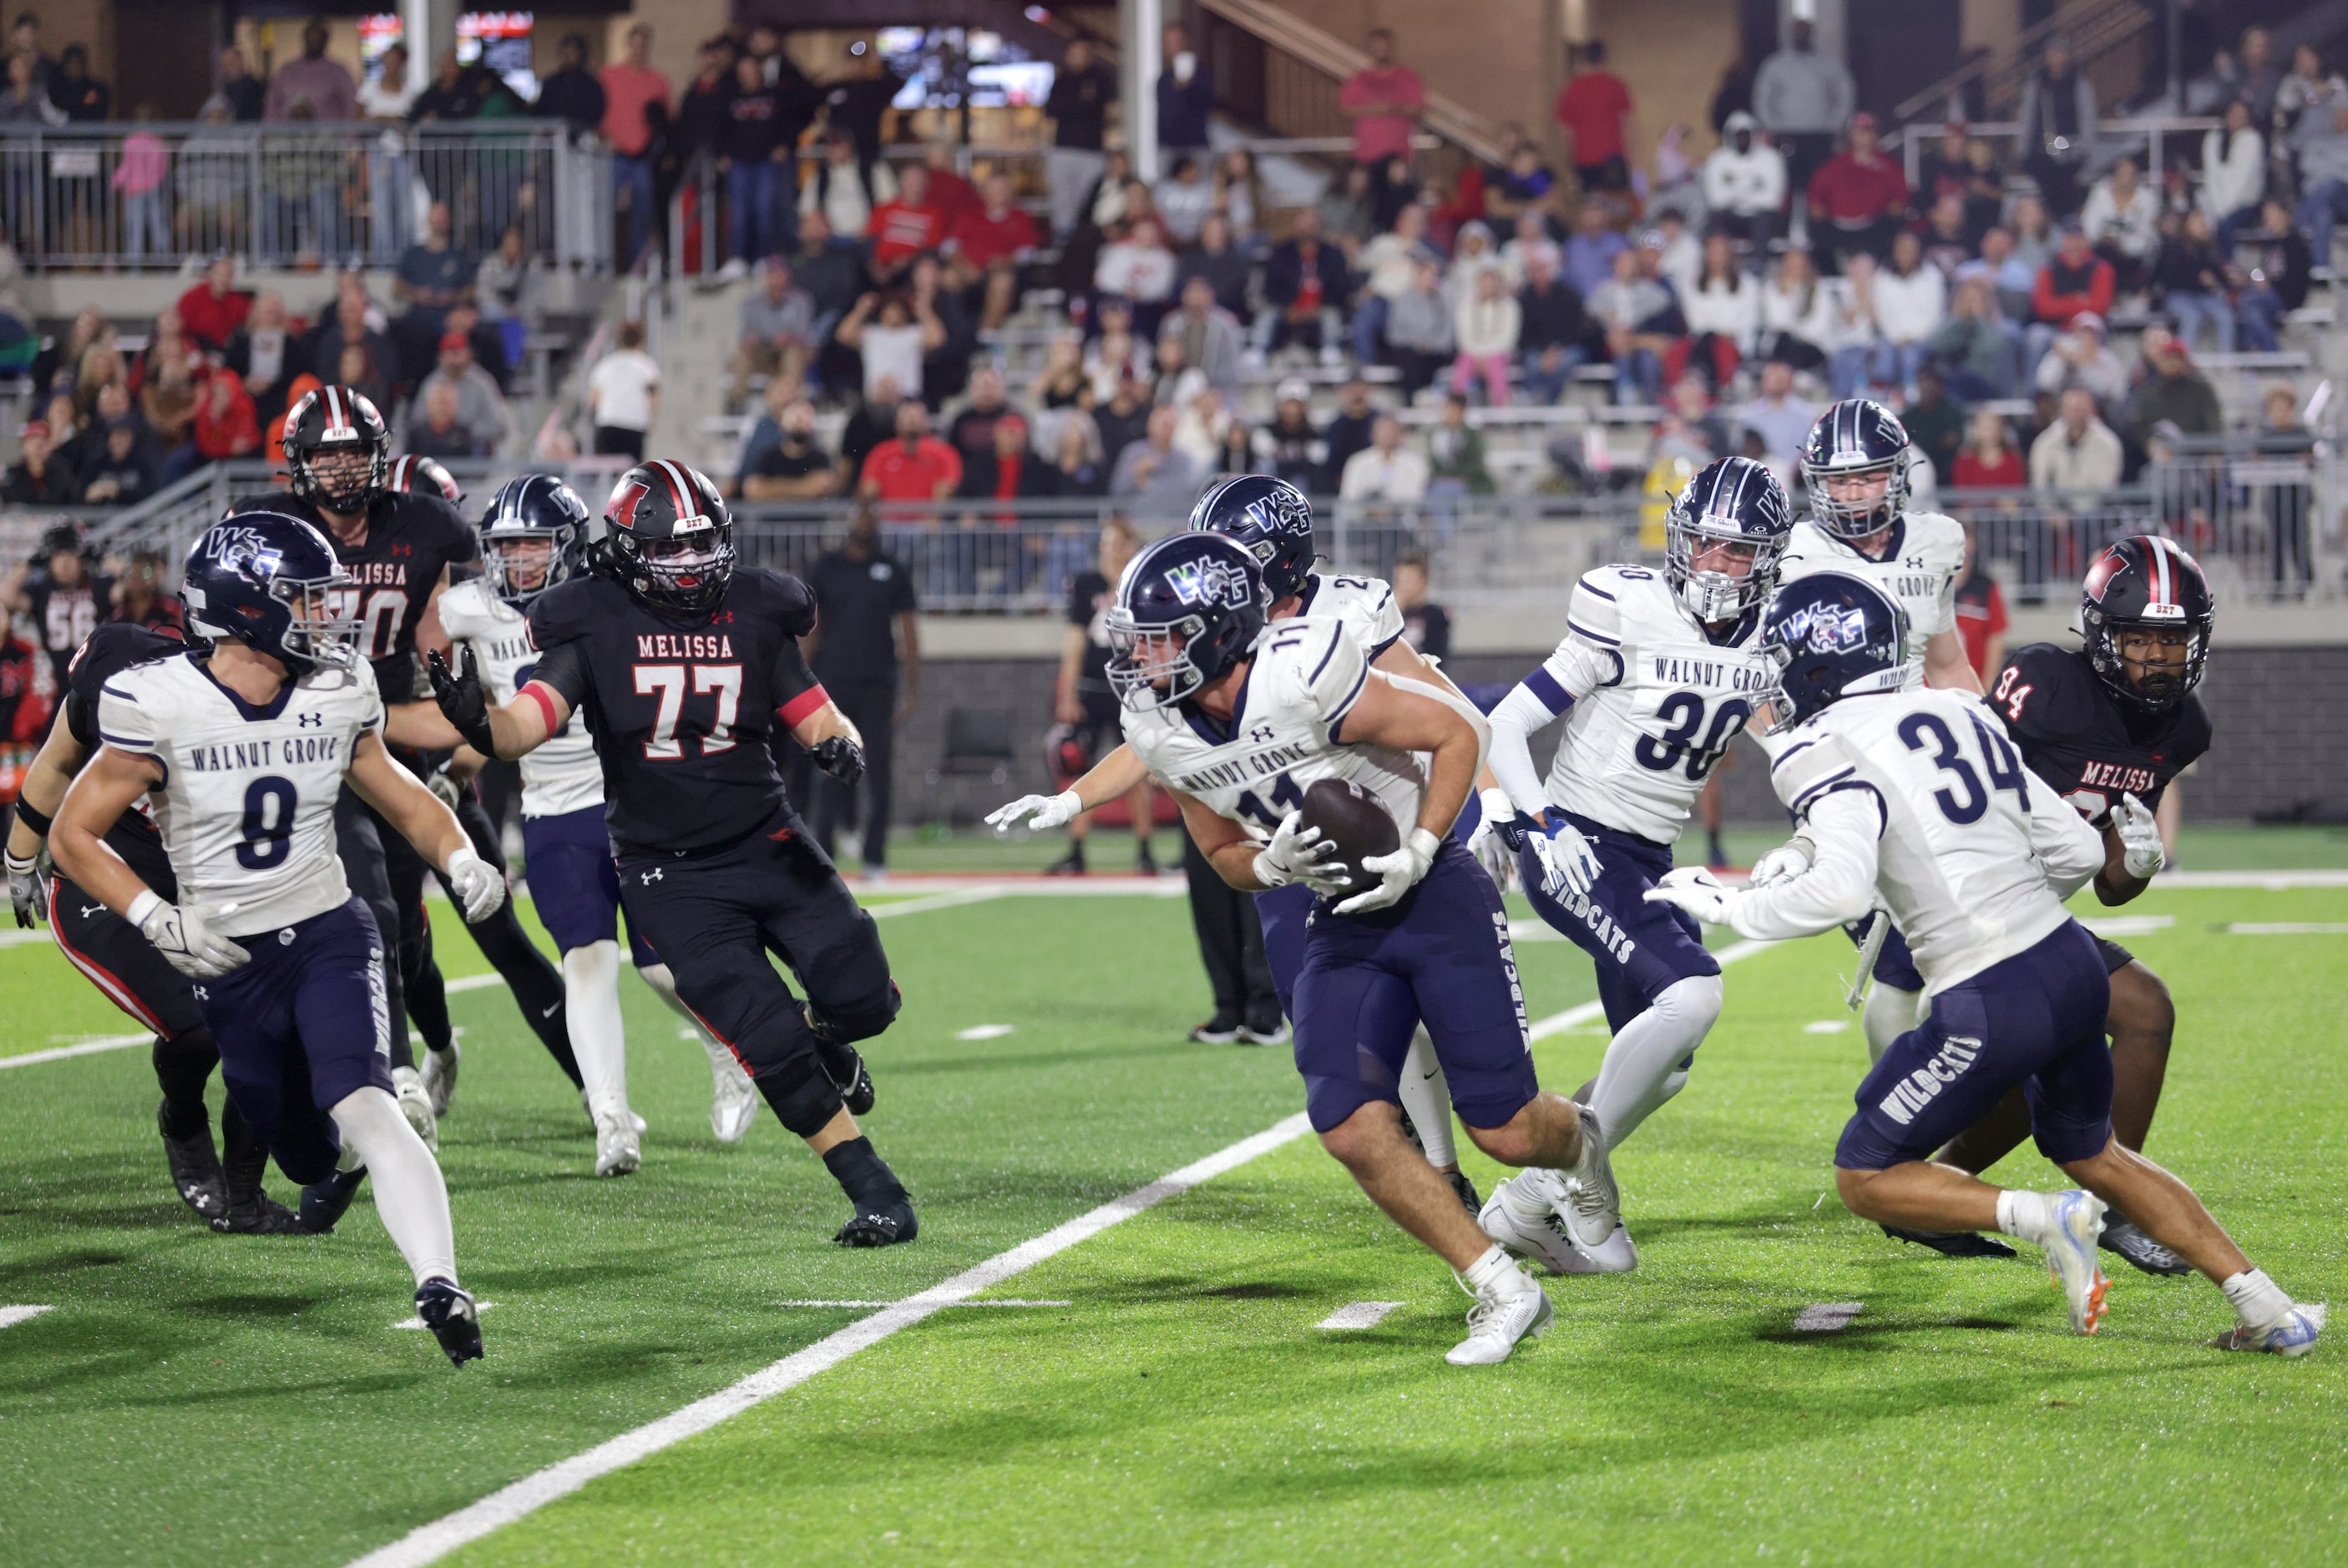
[2108, 726]
[534, 537]
[1916, 799]
[62, 597]
[240, 746]
[1239, 723]
[223, 1185]
[1274, 520]
[685, 668]
[1655, 677]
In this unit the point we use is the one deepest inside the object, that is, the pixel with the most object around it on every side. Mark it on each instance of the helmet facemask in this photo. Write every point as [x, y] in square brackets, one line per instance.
[522, 564]
[1709, 593]
[322, 627]
[1857, 518]
[1151, 667]
[327, 475]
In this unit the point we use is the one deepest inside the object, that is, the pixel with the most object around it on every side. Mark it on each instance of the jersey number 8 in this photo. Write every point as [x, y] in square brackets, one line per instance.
[268, 824]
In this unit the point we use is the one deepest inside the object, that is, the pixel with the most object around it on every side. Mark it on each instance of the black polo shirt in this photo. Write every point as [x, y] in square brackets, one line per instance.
[857, 604]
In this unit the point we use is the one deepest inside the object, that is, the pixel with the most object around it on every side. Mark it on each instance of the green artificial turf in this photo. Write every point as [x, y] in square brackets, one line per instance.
[197, 1398]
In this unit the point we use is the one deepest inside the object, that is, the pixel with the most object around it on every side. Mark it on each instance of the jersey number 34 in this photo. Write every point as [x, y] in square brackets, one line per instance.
[1963, 799]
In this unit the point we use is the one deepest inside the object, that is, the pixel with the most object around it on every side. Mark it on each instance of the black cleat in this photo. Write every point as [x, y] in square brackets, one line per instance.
[1466, 1191]
[1952, 1243]
[323, 1202]
[843, 1062]
[257, 1214]
[2141, 1250]
[1215, 1031]
[196, 1173]
[450, 1313]
[880, 1225]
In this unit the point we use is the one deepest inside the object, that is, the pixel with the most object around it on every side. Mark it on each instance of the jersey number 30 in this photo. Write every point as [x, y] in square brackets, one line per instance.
[1923, 729]
[668, 682]
[1683, 712]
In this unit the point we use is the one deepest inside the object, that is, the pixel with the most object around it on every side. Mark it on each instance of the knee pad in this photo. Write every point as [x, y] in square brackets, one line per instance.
[859, 1021]
[802, 1095]
[1694, 1001]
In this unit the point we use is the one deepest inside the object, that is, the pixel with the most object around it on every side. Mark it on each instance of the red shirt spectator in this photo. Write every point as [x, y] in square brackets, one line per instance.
[211, 313]
[226, 425]
[926, 470]
[1592, 107]
[953, 197]
[1980, 615]
[903, 230]
[2007, 472]
[1384, 101]
[1854, 189]
[630, 86]
[2074, 279]
[985, 237]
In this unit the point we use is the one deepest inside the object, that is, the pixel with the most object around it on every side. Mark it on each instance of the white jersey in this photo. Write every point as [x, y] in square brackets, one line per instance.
[1282, 738]
[1920, 565]
[1366, 604]
[561, 776]
[1974, 854]
[1655, 702]
[247, 803]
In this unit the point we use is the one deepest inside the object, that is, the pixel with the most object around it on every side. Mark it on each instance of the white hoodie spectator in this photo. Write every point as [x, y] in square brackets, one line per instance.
[1531, 239]
[2233, 168]
[1908, 305]
[1386, 469]
[1795, 304]
[1726, 302]
[2131, 223]
[1745, 183]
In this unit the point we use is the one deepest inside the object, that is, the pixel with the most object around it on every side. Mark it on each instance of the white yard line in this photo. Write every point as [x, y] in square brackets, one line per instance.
[429, 1542]
[1358, 1315]
[1826, 1316]
[2287, 928]
[11, 1316]
[991, 1301]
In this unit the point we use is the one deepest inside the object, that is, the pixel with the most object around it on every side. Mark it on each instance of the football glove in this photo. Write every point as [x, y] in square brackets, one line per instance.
[1696, 890]
[1300, 854]
[840, 758]
[28, 890]
[1784, 863]
[2139, 831]
[1569, 865]
[462, 701]
[1397, 873]
[444, 784]
[1488, 842]
[1040, 813]
[184, 936]
[478, 885]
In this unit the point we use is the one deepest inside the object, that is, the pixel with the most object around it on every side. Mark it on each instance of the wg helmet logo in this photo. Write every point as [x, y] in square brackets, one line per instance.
[1827, 629]
[1202, 582]
[243, 547]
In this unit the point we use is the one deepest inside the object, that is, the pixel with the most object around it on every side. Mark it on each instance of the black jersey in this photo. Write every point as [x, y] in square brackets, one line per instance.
[410, 540]
[111, 649]
[63, 618]
[682, 707]
[2081, 739]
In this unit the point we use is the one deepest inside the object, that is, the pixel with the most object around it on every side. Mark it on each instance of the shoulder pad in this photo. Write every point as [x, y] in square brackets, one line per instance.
[1605, 597]
[2046, 690]
[115, 646]
[564, 612]
[1314, 667]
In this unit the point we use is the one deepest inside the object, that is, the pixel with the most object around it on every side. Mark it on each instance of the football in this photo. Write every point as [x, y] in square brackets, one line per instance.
[1353, 819]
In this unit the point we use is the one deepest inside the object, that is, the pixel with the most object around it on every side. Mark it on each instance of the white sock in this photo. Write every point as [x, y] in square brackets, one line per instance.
[2028, 1216]
[1427, 1097]
[410, 1199]
[591, 986]
[1646, 1061]
[1890, 1013]
[723, 1064]
[1494, 1266]
[2256, 1299]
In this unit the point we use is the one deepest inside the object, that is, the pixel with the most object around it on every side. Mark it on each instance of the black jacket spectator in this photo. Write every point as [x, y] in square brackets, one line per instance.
[1078, 107]
[1552, 317]
[1284, 274]
[573, 95]
[1347, 434]
[1224, 268]
[54, 486]
[85, 100]
[831, 271]
[2283, 259]
[703, 113]
[752, 127]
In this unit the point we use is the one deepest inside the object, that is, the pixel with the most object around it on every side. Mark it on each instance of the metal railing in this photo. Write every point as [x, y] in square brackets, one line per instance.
[2092, 28]
[2113, 138]
[116, 195]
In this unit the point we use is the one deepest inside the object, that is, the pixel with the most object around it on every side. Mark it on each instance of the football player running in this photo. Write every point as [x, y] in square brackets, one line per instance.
[685, 669]
[1238, 720]
[1654, 677]
[1915, 799]
[534, 537]
[1274, 520]
[242, 745]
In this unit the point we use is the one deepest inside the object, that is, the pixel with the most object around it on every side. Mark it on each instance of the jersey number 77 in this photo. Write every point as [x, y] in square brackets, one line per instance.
[669, 684]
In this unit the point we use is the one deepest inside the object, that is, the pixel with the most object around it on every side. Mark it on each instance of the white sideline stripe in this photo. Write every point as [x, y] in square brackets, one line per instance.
[22, 938]
[86, 1048]
[991, 1301]
[2287, 928]
[2272, 882]
[2130, 925]
[429, 1542]
[10, 1316]
[983, 1032]
[1826, 1026]
[1360, 1315]
[419, 1322]
[1559, 1023]
[1826, 1316]
[934, 901]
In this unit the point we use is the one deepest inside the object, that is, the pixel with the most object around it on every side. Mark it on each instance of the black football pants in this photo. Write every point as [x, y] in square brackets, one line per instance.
[1231, 944]
[871, 706]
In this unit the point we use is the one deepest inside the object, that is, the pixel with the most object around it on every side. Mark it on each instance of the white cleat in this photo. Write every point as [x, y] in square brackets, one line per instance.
[2293, 1334]
[635, 1122]
[617, 1150]
[1512, 1307]
[1592, 1206]
[733, 1097]
[415, 1104]
[440, 1077]
[2077, 1221]
[1521, 1216]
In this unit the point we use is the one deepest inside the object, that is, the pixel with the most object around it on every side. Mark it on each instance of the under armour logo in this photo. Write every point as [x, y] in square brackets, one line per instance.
[652, 876]
[1262, 734]
[402, 549]
[311, 720]
[202, 994]
[89, 909]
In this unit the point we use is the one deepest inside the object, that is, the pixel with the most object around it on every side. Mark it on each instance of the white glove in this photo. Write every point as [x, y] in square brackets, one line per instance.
[1397, 873]
[1490, 850]
[182, 936]
[2139, 832]
[479, 889]
[1569, 865]
[28, 891]
[1300, 854]
[1041, 812]
[1696, 890]
[1784, 863]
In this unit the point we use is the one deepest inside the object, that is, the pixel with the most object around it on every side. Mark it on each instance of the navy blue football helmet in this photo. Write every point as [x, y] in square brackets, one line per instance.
[1832, 635]
[533, 509]
[1857, 438]
[666, 534]
[1736, 502]
[1189, 607]
[1271, 519]
[271, 581]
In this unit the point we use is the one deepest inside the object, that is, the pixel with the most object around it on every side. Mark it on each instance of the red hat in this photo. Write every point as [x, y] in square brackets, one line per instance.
[37, 427]
[450, 340]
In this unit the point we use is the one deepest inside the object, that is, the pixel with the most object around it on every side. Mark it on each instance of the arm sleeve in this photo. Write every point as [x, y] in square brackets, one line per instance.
[797, 691]
[2067, 845]
[562, 669]
[1840, 887]
[1520, 714]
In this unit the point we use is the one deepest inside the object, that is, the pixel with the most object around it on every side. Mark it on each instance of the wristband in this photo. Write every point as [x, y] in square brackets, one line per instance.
[148, 902]
[19, 865]
[36, 819]
[537, 694]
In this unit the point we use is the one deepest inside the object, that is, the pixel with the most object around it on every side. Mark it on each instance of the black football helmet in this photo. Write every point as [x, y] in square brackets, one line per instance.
[1733, 501]
[1832, 635]
[329, 421]
[668, 537]
[534, 507]
[1857, 437]
[1272, 518]
[412, 475]
[1189, 607]
[2147, 583]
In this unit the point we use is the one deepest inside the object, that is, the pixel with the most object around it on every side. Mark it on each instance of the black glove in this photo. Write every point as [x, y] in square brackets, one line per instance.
[462, 701]
[1512, 831]
[840, 758]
